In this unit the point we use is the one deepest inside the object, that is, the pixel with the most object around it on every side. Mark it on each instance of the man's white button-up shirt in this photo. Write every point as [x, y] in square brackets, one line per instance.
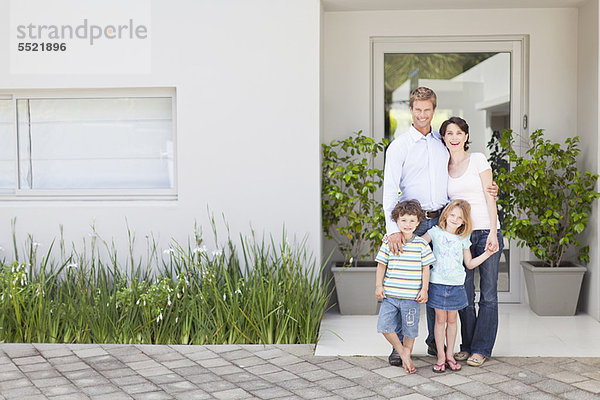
[416, 167]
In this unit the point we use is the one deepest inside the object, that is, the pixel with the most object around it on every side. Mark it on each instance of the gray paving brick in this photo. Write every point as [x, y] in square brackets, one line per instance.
[236, 354]
[13, 350]
[181, 386]
[72, 366]
[537, 395]
[166, 378]
[11, 375]
[213, 362]
[60, 390]
[579, 395]
[140, 388]
[576, 366]
[269, 352]
[298, 349]
[56, 381]
[279, 376]
[153, 371]
[118, 373]
[72, 396]
[263, 369]
[285, 360]
[20, 392]
[590, 385]
[316, 375]
[35, 359]
[336, 365]
[489, 377]
[271, 393]
[497, 396]
[310, 393]
[129, 380]
[107, 365]
[222, 348]
[527, 377]
[298, 383]
[194, 395]
[226, 369]
[90, 381]
[337, 382]
[432, 389]
[232, 394]
[514, 388]
[355, 392]
[248, 361]
[152, 396]
[254, 384]
[203, 378]
[215, 386]
[90, 352]
[552, 386]
[392, 390]
[42, 366]
[7, 385]
[238, 377]
[99, 389]
[112, 396]
[182, 362]
[475, 389]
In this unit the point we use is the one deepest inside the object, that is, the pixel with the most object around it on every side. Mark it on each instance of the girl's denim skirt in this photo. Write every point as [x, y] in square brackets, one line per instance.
[447, 297]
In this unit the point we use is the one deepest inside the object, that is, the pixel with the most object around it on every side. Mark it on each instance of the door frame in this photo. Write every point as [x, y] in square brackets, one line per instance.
[517, 45]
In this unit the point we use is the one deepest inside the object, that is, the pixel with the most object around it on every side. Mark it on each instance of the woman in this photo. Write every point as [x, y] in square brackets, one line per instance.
[469, 174]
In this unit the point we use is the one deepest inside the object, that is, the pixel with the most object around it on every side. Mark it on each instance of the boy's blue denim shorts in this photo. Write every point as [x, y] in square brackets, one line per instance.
[395, 312]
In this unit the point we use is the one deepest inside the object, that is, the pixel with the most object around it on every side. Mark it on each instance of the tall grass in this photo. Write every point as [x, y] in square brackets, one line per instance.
[265, 292]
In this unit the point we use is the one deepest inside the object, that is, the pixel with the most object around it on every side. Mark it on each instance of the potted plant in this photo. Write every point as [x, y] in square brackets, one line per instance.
[547, 206]
[353, 217]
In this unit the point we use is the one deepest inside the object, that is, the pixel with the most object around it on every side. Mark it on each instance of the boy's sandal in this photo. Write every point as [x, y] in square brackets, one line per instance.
[454, 366]
[461, 356]
[476, 361]
[439, 368]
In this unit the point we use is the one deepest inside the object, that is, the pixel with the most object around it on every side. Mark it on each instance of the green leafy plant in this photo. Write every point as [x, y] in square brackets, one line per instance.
[498, 160]
[548, 199]
[352, 216]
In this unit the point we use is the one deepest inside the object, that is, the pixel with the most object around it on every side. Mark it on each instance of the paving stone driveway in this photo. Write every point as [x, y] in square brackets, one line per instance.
[58, 371]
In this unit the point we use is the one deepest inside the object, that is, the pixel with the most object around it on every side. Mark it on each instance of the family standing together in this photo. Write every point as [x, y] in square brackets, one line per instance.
[436, 192]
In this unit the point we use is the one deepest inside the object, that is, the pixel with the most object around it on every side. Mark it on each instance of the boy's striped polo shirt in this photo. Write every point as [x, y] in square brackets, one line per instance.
[403, 275]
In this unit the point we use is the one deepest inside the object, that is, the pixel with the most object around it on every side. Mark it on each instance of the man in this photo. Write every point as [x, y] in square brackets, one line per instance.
[416, 167]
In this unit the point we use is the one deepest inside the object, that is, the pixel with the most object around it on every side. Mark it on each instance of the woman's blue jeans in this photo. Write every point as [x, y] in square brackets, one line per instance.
[479, 329]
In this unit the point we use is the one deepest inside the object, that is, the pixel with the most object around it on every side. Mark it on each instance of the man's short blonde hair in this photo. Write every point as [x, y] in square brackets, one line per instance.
[423, 93]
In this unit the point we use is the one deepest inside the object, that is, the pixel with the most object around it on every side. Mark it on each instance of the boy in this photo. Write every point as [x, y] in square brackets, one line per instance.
[402, 282]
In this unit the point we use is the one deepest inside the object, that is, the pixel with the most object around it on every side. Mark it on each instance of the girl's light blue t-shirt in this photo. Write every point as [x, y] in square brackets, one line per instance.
[448, 249]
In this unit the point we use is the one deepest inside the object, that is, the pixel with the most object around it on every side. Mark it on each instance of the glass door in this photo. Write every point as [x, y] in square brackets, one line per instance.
[479, 79]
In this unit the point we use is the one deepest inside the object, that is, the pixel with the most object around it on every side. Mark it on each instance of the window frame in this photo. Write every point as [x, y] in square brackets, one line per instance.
[17, 193]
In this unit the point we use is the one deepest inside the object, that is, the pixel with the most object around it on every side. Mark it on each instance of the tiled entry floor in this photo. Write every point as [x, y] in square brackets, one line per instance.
[521, 333]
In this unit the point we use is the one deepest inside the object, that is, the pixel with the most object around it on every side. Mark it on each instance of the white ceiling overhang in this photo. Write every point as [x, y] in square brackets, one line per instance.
[373, 5]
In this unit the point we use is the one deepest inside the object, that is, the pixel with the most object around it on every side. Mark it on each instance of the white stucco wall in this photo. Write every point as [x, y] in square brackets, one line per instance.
[553, 58]
[587, 116]
[247, 81]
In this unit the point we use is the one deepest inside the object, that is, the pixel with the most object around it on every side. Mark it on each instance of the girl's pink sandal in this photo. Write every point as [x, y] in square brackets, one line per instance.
[439, 368]
[454, 366]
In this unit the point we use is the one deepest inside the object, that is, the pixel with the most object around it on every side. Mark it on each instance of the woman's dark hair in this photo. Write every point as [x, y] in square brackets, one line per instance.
[462, 124]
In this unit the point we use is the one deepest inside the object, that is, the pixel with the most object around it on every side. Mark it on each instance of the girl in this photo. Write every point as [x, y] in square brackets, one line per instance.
[447, 293]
